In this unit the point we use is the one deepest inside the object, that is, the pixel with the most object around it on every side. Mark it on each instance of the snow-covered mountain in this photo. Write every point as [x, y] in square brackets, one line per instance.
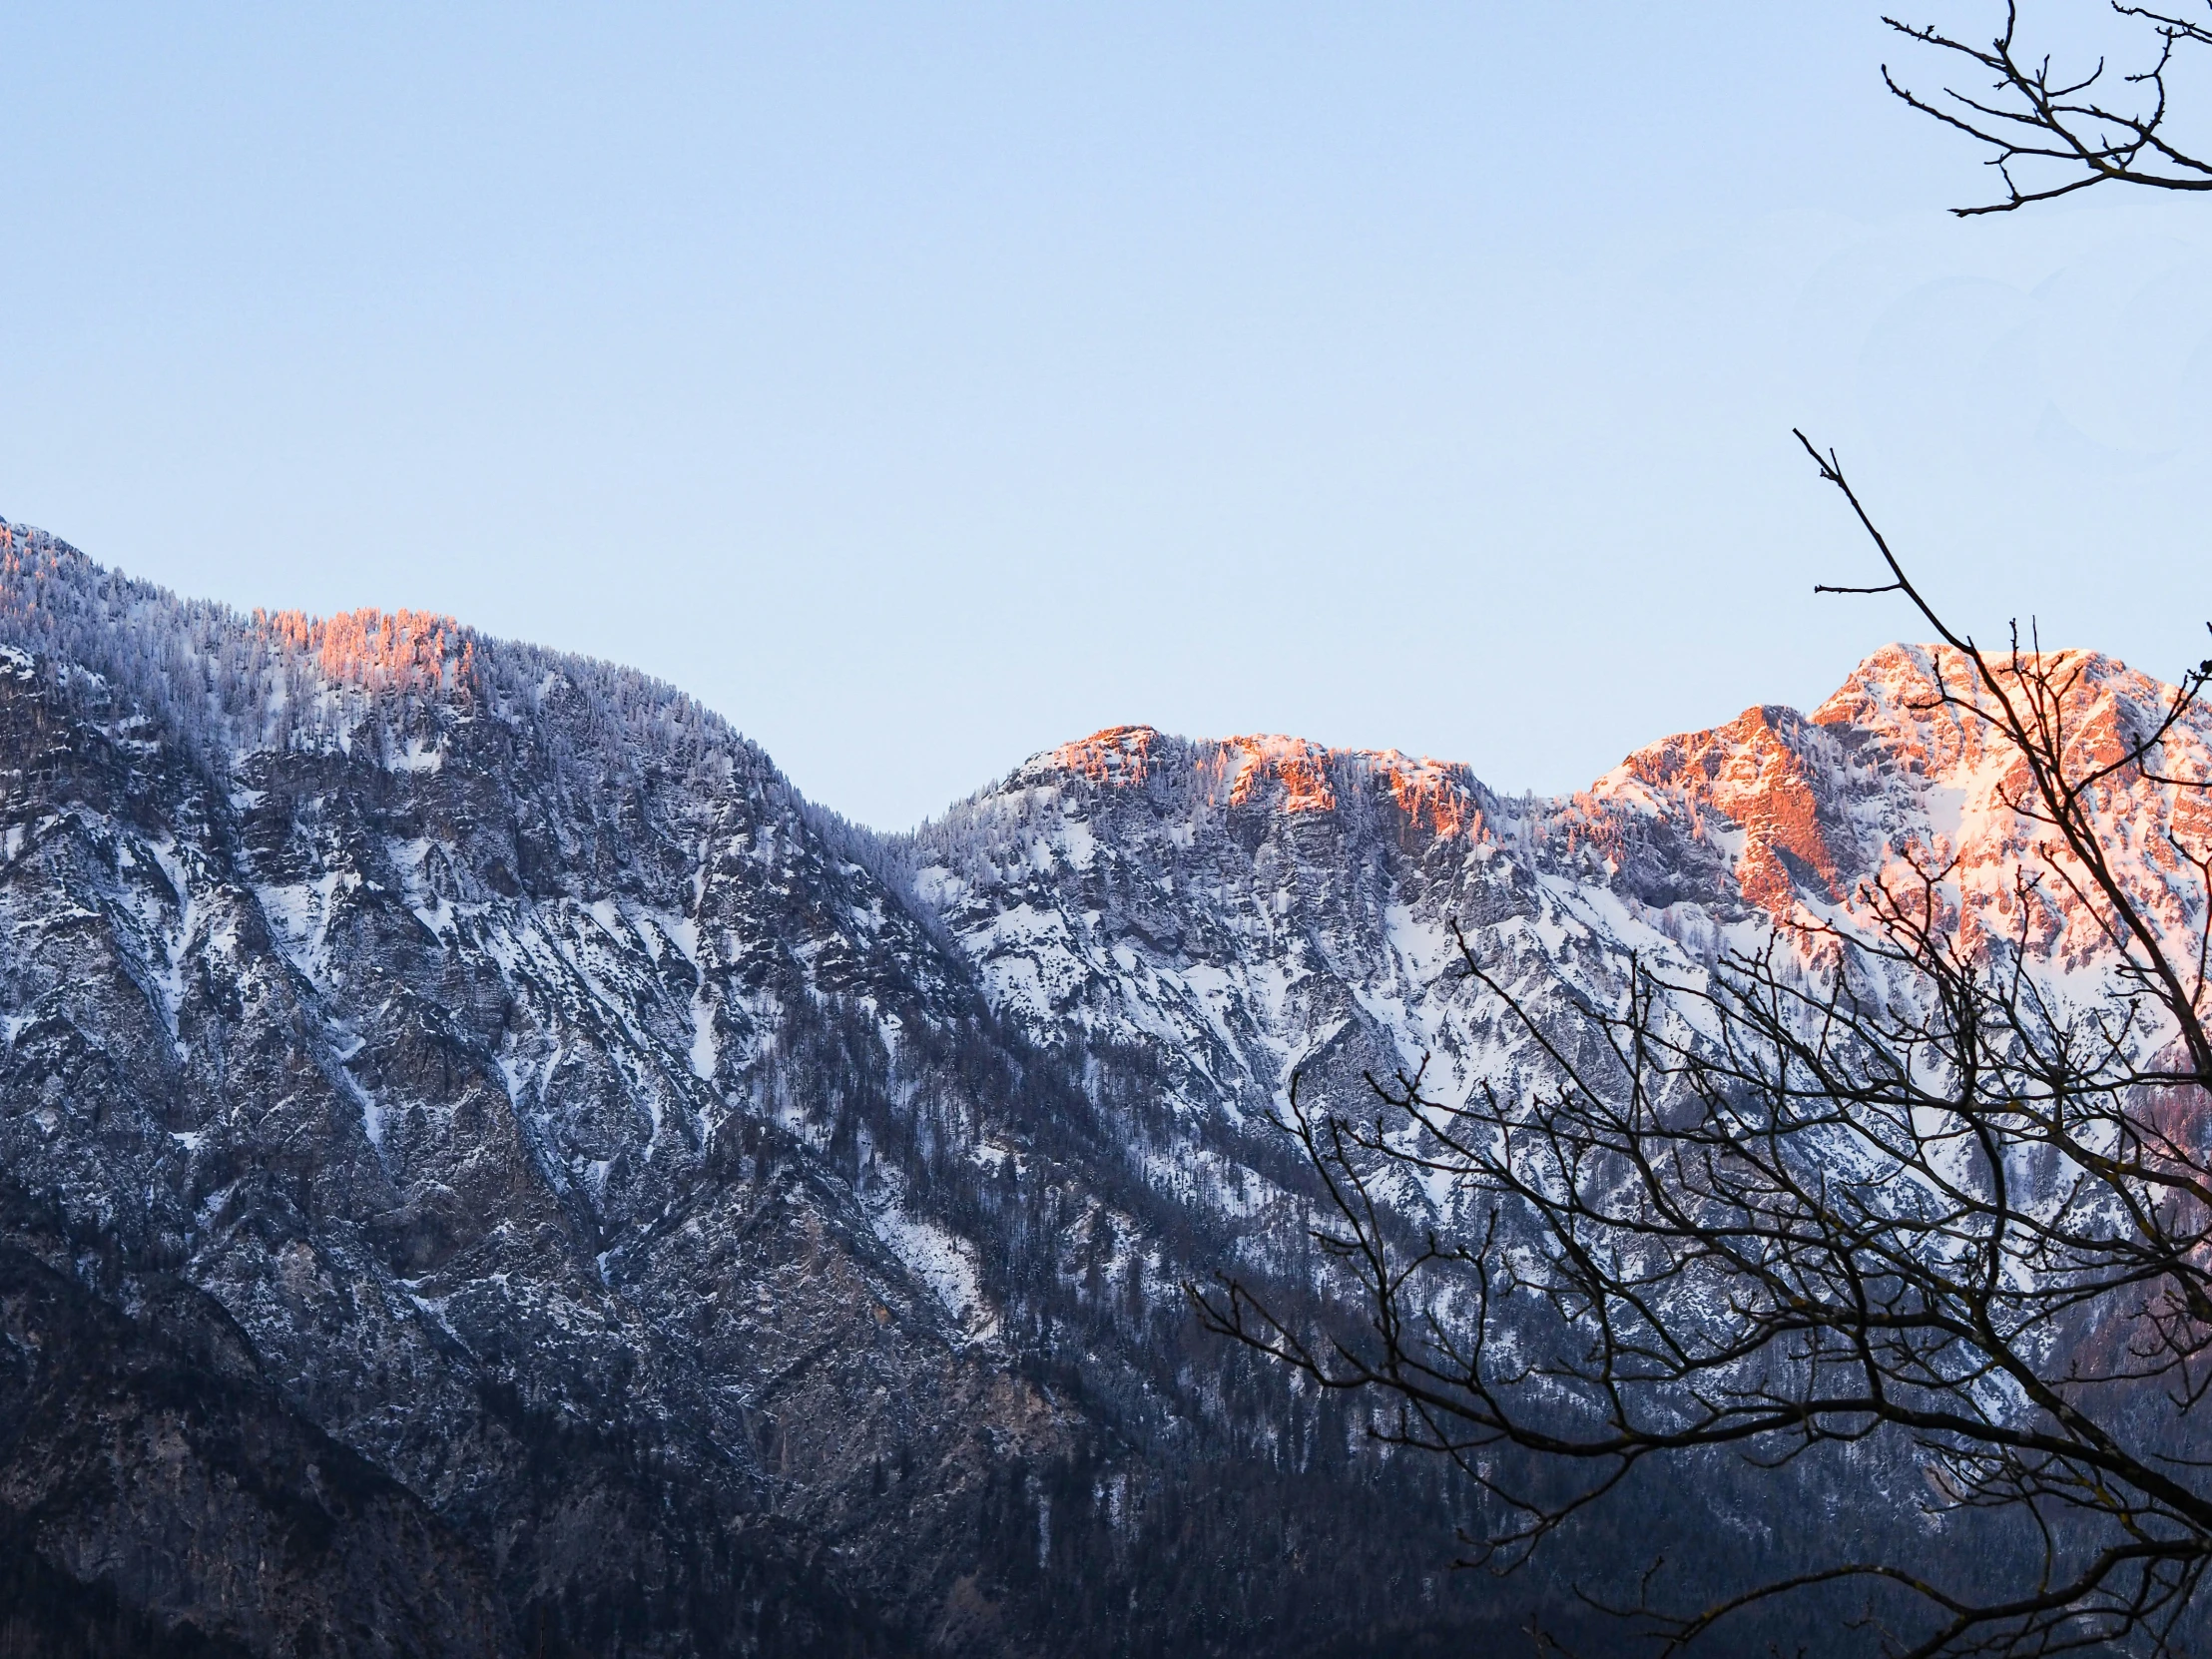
[485, 1167]
[1261, 905]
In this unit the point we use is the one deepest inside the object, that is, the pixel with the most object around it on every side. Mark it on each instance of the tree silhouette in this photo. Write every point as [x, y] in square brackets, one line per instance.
[2051, 131]
[1910, 1182]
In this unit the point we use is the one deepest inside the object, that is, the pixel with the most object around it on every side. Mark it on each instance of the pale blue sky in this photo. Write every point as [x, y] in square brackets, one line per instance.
[921, 386]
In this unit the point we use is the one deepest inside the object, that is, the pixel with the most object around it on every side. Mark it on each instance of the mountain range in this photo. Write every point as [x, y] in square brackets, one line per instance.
[487, 1167]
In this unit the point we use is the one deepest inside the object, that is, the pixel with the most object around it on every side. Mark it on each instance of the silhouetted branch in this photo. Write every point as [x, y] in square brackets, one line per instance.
[2051, 133]
[1893, 1180]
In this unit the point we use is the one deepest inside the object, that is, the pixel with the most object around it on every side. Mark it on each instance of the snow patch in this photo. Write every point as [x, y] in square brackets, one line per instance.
[417, 757]
[941, 1261]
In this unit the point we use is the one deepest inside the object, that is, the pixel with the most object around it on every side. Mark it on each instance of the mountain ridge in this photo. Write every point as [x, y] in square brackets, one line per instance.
[718, 1228]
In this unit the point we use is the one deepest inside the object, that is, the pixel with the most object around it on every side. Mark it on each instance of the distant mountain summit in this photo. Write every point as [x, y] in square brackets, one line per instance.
[486, 1167]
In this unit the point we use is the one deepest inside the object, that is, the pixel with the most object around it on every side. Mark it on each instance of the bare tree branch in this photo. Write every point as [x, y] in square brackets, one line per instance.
[1892, 1183]
[2051, 133]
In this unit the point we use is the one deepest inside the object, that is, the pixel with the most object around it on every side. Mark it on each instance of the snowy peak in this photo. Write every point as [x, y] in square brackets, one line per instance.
[1117, 754]
[1900, 772]
[1765, 778]
[1964, 799]
[1268, 772]
[1251, 901]
[1905, 698]
[284, 681]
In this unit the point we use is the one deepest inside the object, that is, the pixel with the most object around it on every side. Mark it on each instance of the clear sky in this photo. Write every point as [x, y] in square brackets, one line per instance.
[925, 385]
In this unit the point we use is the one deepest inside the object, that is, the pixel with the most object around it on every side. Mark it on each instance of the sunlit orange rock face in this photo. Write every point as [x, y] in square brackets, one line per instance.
[1258, 768]
[1746, 773]
[1432, 795]
[1290, 775]
[1780, 811]
[1894, 778]
[1974, 787]
[1116, 754]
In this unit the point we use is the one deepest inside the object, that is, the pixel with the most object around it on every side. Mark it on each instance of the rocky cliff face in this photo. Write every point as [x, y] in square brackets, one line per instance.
[1259, 906]
[423, 1044]
[484, 1167]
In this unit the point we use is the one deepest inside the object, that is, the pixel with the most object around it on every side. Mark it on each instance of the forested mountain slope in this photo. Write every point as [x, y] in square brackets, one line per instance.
[487, 1168]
